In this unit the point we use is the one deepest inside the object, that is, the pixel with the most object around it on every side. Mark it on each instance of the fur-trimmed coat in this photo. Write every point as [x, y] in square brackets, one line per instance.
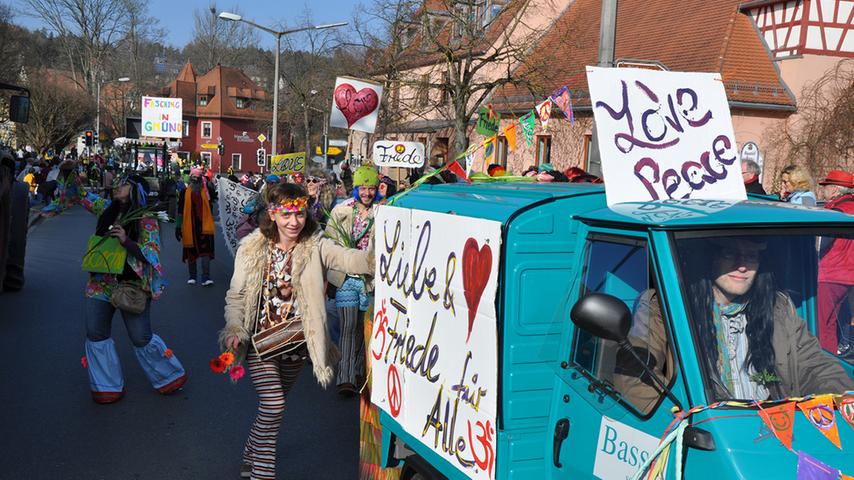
[312, 258]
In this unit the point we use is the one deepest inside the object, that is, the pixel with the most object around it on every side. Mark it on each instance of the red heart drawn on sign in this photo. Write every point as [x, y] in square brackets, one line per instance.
[355, 105]
[477, 266]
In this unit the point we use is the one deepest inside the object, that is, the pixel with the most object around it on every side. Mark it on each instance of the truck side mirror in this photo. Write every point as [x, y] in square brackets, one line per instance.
[602, 315]
[19, 108]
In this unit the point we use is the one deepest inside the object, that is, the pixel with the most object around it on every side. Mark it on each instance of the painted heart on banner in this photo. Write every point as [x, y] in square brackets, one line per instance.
[477, 265]
[355, 104]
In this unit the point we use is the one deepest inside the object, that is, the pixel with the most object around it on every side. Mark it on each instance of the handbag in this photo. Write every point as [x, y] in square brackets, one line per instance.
[282, 337]
[129, 297]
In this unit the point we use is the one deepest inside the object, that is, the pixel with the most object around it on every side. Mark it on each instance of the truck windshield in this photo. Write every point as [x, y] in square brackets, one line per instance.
[771, 311]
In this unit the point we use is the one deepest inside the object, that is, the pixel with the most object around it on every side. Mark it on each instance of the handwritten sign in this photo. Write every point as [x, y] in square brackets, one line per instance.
[161, 117]
[664, 135]
[488, 121]
[287, 164]
[388, 153]
[434, 343]
[355, 104]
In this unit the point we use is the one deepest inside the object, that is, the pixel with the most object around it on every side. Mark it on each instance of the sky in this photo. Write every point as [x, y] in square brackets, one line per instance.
[176, 16]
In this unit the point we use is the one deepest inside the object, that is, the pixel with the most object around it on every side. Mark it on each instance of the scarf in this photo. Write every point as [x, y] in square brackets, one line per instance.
[207, 217]
[730, 325]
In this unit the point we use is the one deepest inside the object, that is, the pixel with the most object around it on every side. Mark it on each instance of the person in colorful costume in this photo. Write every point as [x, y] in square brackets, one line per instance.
[836, 270]
[69, 190]
[279, 271]
[350, 224]
[142, 242]
[194, 226]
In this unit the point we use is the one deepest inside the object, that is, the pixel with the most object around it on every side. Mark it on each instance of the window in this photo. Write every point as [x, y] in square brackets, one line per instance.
[203, 100]
[186, 129]
[241, 102]
[235, 161]
[501, 151]
[207, 127]
[772, 279]
[544, 149]
[619, 266]
[206, 158]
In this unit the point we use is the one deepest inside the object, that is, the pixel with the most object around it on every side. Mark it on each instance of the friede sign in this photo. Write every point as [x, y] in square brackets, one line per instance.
[389, 153]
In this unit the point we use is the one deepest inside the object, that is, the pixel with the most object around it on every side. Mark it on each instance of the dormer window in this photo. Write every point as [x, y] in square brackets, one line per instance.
[241, 102]
[203, 100]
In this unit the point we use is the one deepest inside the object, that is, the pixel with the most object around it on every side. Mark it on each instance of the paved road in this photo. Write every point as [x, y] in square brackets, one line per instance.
[51, 429]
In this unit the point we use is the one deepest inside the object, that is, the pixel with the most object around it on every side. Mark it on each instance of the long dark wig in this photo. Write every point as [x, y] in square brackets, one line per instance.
[760, 301]
[136, 199]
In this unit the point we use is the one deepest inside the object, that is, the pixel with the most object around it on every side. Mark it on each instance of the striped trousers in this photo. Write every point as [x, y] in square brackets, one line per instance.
[273, 380]
[351, 343]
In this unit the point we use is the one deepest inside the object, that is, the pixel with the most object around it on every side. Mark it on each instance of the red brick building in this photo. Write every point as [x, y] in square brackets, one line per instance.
[223, 106]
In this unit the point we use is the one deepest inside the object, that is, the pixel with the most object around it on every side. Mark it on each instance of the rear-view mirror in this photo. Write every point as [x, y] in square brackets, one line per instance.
[602, 315]
[19, 108]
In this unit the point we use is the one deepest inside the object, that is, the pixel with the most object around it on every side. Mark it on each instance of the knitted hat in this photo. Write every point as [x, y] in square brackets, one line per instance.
[366, 176]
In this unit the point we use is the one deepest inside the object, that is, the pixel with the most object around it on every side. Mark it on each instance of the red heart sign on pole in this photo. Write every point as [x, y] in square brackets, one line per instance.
[353, 104]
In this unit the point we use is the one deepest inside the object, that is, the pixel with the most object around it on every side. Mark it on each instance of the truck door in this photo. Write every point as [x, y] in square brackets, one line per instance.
[607, 413]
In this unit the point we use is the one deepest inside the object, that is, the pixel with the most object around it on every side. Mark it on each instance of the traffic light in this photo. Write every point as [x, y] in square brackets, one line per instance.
[261, 157]
[220, 148]
[89, 135]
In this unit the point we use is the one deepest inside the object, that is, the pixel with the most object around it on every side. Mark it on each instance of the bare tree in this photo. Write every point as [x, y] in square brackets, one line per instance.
[89, 30]
[821, 135]
[59, 110]
[9, 46]
[445, 62]
[217, 41]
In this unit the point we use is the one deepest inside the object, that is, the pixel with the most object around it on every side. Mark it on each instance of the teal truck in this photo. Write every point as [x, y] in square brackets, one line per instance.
[603, 334]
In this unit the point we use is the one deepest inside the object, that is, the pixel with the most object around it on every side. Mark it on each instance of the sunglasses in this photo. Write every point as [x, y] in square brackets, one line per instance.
[314, 180]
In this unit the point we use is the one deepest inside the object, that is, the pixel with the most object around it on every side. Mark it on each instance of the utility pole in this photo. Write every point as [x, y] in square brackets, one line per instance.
[607, 43]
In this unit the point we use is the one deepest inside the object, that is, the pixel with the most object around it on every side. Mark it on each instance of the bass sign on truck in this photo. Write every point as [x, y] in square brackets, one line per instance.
[549, 331]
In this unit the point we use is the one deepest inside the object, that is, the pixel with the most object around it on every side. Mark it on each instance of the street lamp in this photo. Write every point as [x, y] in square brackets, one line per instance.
[233, 17]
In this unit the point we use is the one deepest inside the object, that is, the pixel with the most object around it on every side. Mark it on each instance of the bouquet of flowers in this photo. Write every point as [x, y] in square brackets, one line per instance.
[225, 364]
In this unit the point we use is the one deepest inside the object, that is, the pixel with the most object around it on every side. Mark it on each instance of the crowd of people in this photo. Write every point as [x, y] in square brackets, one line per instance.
[305, 260]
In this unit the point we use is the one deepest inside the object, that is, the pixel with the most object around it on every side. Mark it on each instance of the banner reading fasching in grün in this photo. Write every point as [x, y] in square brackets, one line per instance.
[162, 117]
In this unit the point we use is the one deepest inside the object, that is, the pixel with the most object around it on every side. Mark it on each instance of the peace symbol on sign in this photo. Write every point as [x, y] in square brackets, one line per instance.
[395, 391]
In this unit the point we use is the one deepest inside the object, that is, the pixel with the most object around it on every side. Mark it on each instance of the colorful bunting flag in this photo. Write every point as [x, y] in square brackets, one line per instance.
[544, 110]
[846, 477]
[469, 163]
[457, 170]
[563, 99]
[488, 149]
[819, 412]
[528, 124]
[846, 408]
[781, 420]
[811, 468]
[488, 121]
[510, 134]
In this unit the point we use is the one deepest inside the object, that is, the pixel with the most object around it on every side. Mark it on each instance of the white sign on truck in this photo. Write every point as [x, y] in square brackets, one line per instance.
[434, 339]
[664, 135]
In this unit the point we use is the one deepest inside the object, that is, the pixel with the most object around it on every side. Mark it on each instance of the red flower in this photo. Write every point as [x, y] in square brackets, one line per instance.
[236, 373]
[84, 361]
[217, 365]
[168, 353]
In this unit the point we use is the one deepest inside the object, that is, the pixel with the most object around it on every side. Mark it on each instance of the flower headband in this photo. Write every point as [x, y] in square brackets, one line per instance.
[290, 205]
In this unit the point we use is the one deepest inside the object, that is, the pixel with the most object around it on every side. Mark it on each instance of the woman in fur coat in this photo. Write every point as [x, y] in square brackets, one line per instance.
[279, 276]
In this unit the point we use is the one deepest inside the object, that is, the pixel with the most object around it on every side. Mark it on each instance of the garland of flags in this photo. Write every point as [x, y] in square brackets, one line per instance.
[779, 417]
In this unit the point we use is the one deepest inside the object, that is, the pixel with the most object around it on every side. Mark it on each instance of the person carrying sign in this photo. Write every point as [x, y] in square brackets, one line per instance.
[194, 226]
[351, 224]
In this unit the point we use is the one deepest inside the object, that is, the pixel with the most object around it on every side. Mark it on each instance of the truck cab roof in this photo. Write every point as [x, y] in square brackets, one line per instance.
[502, 201]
